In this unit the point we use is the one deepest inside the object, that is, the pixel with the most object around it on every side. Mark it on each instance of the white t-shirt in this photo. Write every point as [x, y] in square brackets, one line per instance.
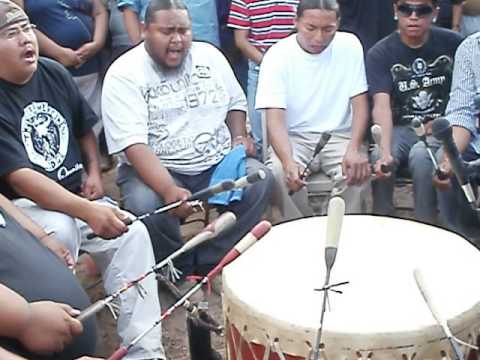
[180, 114]
[315, 89]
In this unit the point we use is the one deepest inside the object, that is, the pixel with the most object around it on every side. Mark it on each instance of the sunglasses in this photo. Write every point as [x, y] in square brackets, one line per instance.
[406, 10]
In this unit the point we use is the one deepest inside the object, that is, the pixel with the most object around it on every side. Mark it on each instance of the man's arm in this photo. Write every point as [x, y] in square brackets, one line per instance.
[355, 164]
[278, 136]
[382, 115]
[236, 122]
[100, 21]
[92, 188]
[132, 25]
[156, 176]
[244, 45]
[42, 326]
[457, 16]
[46, 193]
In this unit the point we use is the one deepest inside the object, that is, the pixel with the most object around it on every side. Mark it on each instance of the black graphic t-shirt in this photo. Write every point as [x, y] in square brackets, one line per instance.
[418, 80]
[40, 123]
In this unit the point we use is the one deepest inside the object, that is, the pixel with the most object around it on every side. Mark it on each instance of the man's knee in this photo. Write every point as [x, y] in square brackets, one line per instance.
[418, 160]
[140, 199]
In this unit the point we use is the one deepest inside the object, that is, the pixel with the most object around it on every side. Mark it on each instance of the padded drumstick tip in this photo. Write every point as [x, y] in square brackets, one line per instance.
[336, 211]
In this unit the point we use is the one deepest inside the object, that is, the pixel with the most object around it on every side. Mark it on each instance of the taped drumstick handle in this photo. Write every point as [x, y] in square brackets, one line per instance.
[225, 185]
[222, 223]
[92, 309]
[436, 314]
[336, 212]
[250, 179]
[248, 240]
[119, 353]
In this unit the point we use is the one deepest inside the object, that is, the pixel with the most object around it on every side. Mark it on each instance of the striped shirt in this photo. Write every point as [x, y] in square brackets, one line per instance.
[461, 110]
[267, 20]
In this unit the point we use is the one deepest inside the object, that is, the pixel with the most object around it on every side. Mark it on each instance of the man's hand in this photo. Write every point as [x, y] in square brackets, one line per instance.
[175, 194]
[50, 327]
[292, 172]
[59, 249]
[387, 159]
[87, 51]
[248, 142]
[92, 188]
[355, 167]
[106, 222]
[69, 58]
[445, 167]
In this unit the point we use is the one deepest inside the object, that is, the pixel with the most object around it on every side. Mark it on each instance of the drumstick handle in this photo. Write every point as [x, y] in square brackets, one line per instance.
[457, 352]
[119, 354]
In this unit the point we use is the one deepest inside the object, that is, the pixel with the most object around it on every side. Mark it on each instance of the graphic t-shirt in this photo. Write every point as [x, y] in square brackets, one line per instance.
[179, 113]
[39, 124]
[418, 80]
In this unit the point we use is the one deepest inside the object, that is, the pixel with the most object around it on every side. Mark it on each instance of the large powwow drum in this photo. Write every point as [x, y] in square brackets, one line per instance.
[273, 312]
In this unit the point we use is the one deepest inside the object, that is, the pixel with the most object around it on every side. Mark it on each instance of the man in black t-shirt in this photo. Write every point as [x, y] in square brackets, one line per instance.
[409, 75]
[47, 145]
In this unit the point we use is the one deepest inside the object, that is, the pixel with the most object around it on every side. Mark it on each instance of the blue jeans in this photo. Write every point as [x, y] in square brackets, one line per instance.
[254, 115]
[164, 228]
[408, 151]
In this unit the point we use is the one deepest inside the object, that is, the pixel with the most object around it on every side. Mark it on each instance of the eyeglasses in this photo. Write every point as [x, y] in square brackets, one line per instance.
[406, 10]
[13, 33]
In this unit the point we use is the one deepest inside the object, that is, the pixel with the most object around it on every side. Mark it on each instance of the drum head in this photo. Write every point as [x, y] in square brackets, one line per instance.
[270, 290]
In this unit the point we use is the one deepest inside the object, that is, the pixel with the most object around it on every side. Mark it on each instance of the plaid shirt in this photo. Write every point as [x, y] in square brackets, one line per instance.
[461, 110]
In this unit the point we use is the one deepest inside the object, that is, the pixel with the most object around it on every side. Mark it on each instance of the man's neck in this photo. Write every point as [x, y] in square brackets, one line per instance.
[415, 42]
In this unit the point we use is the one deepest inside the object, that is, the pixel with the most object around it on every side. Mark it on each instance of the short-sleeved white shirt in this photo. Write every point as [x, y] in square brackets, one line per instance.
[180, 114]
[314, 89]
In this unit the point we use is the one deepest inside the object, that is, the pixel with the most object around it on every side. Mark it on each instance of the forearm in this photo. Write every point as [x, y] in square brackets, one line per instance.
[47, 194]
[88, 146]
[278, 135]
[246, 48]
[14, 313]
[456, 16]
[462, 138]
[359, 120]
[132, 25]
[150, 169]
[48, 47]
[21, 218]
[382, 115]
[100, 16]
[236, 122]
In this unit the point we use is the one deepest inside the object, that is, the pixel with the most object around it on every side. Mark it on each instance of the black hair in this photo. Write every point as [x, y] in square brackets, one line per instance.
[434, 2]
[329, 5]
[157, 5]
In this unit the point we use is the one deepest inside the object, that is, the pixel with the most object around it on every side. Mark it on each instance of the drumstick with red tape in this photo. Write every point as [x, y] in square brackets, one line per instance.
[436, 314]
[247, 241]
[223, 222]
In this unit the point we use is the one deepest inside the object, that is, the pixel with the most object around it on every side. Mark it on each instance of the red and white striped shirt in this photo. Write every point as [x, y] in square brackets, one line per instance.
[267, 20]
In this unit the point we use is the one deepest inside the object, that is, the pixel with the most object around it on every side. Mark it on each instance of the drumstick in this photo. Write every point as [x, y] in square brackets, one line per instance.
[225, 185]
[248, 240]
[377, 139]
[223, 222]
[320, 145]
[420, 131]
[336, 212]
[436, 314]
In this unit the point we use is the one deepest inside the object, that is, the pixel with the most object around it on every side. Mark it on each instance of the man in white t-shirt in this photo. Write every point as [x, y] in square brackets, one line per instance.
[312, 82]
[174, 110]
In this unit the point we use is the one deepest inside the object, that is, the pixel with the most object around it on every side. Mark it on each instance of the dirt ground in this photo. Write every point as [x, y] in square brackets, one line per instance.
[174, 328]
